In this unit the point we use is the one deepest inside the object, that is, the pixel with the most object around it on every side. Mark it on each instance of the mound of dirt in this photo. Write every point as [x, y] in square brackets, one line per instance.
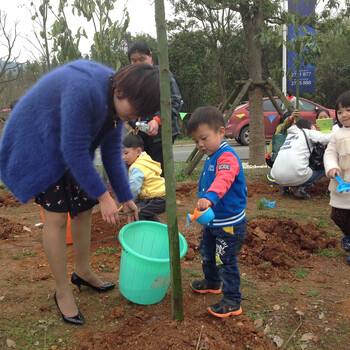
[185, 191]
[8, 200]
[8, 227]
[144, 331]
[257, 189]
[272, 245]
[281, 243]
[102, 232]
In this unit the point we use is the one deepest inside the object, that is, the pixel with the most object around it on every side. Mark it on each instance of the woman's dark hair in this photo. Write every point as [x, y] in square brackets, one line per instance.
[322, 110]
[206, 115]
[290, 92]
[133, 141]
[304, 124]
[342, 101]
[13, 104]
[139, 47]
[139, 83]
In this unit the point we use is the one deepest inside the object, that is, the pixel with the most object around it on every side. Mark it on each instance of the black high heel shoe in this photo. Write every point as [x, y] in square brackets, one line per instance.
[77, 320]
[78, 281]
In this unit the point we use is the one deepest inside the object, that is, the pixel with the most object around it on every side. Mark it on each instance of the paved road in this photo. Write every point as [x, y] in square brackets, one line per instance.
[182, 152]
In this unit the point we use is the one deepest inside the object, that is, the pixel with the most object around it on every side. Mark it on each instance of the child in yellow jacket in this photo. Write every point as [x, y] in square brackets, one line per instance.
[146, 184]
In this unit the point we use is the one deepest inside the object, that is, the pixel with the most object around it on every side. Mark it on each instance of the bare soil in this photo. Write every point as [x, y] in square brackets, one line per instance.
[295, 284]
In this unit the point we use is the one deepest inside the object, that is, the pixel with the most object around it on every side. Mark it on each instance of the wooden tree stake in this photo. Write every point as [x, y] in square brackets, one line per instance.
[171, 209]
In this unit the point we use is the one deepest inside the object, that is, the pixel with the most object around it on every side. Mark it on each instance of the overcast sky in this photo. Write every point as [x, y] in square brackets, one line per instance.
[141, 14]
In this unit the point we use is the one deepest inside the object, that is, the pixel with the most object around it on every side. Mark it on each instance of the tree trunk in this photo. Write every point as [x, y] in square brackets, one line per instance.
[257, 148]
[222, 78]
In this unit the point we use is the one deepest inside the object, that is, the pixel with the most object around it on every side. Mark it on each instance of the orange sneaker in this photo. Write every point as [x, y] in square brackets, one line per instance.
[225, 307]
[203, 287]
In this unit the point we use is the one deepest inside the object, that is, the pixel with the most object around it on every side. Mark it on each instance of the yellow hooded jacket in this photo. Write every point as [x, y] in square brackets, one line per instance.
[153, 185]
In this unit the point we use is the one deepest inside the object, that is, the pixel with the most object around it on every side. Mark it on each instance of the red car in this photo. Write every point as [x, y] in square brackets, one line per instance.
[238, 125]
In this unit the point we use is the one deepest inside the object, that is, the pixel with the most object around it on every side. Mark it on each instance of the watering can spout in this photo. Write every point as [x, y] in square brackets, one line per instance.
[201, 216]
[190, 217]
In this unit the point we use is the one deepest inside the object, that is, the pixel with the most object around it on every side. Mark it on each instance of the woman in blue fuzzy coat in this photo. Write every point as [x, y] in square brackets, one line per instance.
[47, 149]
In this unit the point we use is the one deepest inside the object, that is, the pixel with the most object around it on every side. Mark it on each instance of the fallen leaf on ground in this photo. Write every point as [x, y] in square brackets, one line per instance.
[278, 341]
[258, 323]
[309, 336]
[10, 343]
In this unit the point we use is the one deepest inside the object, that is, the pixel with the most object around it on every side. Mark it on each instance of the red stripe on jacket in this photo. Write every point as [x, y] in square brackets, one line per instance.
[224, 177]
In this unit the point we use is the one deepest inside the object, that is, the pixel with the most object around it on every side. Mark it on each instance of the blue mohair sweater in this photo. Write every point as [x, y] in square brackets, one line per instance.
[52, 128]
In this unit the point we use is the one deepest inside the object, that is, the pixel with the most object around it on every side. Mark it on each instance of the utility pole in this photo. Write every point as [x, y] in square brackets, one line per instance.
[284, 50]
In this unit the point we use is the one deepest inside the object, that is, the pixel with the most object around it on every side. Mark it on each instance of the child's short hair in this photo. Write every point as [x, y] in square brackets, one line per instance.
[133, 141]
[304, 124]
[132, 81]
[290, 92]
[206, 115]
[342, 101]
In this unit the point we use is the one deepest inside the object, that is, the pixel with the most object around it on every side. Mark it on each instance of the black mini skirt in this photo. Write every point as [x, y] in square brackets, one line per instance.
[65, 196]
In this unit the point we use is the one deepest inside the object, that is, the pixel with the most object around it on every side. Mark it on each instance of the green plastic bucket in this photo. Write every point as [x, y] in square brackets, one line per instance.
[144, 275]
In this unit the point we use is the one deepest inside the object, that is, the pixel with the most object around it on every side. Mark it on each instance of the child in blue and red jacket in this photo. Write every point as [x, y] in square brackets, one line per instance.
[222, 186]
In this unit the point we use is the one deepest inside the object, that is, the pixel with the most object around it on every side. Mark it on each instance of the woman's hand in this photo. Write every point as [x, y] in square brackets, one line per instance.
[109, 208]
[131, 210]
[203, 203]
[295, 113]
[153, 128]
[332, 172]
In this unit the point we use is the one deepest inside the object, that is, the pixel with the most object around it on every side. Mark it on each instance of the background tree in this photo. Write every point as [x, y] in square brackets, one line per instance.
[107, 33]
[10, 67]
[190, 62]
[65, 44]
[217, 25]
[40, 15]
[57, 43]
[253, 14]
[332, 72]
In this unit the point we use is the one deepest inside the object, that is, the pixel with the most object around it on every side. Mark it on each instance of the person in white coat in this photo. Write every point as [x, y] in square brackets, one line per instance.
[337, 161]
[291, 167]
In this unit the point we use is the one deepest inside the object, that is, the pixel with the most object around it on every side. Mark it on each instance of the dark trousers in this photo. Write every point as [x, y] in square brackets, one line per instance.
[154, 149]
[149, 208]
[341, 218]
[316, 175]
[269, 162]
[219, 250]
